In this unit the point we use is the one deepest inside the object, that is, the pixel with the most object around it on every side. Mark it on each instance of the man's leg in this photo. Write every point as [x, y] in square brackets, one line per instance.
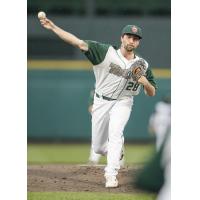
[94, 157]
[119, 116]
[100, 125]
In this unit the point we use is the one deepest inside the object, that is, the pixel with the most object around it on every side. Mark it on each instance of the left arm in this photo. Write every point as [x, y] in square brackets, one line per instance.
[148, 88]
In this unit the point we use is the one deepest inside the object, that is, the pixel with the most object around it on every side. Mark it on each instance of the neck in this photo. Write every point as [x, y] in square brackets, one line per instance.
[127, 54]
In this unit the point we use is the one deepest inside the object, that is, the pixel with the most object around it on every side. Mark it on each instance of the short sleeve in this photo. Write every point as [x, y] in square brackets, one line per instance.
[96, 51]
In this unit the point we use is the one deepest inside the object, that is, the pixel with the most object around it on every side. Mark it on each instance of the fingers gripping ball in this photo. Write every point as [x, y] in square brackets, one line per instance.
[138, 69]
[41, 15]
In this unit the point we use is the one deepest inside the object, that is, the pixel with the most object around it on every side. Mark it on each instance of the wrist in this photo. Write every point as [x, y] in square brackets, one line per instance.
[142, 80]
[53, 27]
[145, 83]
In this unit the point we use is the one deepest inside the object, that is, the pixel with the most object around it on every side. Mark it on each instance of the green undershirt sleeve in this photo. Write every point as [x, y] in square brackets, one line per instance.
[96, 51]
[150, 78]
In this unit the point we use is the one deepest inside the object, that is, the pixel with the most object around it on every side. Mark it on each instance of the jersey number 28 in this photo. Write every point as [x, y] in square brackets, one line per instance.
[132, 86]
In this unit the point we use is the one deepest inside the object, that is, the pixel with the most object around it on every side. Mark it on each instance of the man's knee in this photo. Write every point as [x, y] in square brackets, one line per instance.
[99, 150]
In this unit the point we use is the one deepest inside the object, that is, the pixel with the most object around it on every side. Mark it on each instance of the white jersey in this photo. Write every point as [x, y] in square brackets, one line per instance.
[111, 69]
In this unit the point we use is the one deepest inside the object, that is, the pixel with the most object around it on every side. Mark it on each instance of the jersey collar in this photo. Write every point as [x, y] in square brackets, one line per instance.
[124, 59]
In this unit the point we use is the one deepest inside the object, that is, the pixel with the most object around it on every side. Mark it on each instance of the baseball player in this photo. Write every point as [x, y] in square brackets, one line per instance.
[119, 75]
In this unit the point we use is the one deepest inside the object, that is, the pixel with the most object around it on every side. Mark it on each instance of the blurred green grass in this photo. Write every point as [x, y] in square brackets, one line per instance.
[87, 196]
[79, 153]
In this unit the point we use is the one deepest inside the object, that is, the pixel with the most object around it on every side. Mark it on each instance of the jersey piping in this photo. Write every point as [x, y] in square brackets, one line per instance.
[121, 78]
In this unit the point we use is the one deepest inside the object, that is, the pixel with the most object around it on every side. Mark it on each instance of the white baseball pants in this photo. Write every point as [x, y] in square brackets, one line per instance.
[108, 122]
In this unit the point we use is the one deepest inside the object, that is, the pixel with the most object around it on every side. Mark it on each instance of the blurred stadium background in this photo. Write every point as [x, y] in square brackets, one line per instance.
[60, 77]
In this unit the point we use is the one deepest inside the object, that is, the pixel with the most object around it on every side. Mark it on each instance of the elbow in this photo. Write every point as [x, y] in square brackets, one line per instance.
[152, 94]
[82, 45]
[152, 91]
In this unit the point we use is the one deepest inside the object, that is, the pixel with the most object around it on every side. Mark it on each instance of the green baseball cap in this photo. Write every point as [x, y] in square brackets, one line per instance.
[132, 29]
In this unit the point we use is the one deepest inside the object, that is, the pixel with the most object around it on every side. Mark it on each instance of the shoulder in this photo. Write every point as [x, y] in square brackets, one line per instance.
[97, 51]
[96, 45]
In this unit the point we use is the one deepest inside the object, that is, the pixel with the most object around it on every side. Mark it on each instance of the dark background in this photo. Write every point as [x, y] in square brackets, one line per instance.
[58, 98]
[101, 20]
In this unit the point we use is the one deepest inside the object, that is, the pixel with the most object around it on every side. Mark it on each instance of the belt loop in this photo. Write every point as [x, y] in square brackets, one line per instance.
[97, 95]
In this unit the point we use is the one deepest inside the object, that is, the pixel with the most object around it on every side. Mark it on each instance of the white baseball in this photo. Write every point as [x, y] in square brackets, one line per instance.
[41, 15]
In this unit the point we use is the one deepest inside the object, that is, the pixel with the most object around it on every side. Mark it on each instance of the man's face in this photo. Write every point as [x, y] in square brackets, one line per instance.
[130, 42]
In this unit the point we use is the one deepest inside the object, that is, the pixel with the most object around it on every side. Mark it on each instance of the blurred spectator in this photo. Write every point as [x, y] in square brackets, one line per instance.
[165, 192]
[160, 120]
[156, 175]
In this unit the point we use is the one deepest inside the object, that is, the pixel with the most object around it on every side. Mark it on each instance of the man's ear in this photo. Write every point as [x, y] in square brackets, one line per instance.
[122, 38]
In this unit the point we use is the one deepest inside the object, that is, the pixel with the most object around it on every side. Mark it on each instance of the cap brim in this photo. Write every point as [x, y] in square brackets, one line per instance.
[133, 34]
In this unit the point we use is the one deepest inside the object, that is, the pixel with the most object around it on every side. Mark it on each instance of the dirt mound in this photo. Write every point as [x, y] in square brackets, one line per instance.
[77, 178]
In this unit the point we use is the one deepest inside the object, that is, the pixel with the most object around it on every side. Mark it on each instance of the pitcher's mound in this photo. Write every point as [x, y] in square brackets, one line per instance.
[77, 178]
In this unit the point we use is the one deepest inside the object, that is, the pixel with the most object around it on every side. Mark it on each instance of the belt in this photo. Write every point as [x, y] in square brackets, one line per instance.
[105, 98]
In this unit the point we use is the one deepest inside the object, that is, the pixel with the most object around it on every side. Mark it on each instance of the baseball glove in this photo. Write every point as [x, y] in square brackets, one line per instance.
[138, 69]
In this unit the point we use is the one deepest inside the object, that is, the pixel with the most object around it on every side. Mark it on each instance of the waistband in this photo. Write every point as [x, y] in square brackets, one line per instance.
[104, 97]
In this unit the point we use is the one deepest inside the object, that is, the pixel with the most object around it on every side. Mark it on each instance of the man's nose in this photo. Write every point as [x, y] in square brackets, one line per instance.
[131, 40]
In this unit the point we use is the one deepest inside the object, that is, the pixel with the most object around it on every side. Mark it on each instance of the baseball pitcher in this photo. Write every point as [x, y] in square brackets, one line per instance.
[119, 74]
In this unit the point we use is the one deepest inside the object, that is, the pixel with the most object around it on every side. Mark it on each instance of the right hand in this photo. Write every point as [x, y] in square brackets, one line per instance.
[46, 23]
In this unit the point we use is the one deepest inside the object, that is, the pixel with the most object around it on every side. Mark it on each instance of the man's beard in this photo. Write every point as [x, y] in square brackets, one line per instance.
[129, 48]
